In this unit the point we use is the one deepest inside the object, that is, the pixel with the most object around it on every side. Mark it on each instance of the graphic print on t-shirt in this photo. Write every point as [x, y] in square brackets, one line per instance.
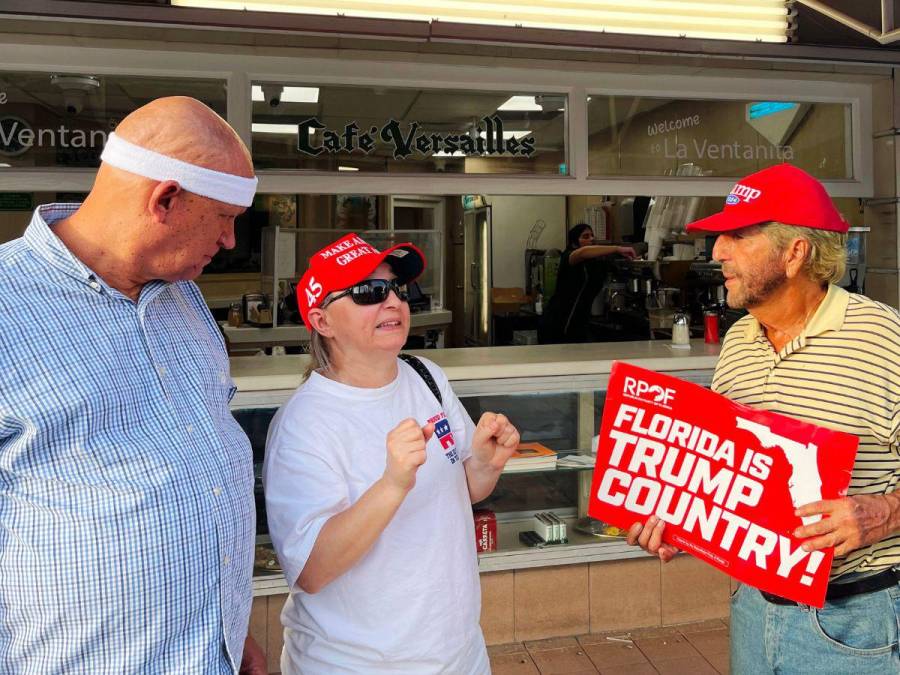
[445, 436]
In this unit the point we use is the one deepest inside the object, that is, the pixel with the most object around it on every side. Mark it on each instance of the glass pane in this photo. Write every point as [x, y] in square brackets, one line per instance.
[550, 419]
[496, 284]
[498, 281]
[545, 491]
[639, 136]
[51, 120]
[255, 423]
[377, 129]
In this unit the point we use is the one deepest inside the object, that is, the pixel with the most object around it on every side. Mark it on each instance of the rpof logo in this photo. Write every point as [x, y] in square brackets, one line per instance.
[643, 391]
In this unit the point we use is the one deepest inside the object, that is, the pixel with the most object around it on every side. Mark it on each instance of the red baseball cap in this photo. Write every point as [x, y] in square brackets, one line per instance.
[348, 261]
[781, 193]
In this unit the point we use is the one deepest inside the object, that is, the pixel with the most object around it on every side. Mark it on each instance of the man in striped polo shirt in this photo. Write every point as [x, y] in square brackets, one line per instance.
[813, 351]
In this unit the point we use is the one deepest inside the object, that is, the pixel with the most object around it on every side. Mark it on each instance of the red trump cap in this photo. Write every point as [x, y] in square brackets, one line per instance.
[348, 261]
[783, 194]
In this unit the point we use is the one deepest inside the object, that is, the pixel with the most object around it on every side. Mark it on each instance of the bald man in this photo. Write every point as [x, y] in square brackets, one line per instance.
[126, 487]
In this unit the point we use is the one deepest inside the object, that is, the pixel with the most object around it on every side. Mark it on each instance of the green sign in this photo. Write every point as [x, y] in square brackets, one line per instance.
[16, 201]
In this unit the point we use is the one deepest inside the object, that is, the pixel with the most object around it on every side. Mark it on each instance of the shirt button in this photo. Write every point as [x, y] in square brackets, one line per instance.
[223, 378]
[217, 491]
[94, 285]
[190, 428]
[226, 560]
[161, 370]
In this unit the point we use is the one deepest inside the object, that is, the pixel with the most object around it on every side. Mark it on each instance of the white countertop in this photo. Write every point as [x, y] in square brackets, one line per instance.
[267, 373]
[294, 333]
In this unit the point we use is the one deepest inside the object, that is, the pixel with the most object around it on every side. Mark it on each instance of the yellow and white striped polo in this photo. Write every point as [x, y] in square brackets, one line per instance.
[842, 372]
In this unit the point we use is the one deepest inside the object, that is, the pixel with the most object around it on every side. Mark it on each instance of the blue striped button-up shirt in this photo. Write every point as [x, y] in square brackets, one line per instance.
[126, 486]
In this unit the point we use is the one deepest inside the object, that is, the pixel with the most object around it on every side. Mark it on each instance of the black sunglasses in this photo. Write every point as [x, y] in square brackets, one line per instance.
[371, 292]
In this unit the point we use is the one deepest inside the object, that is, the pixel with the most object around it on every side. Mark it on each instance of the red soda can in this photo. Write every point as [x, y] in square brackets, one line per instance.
[711, 327]
[485, 530]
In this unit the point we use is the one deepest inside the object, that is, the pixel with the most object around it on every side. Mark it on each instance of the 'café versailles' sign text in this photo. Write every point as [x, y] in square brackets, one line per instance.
[489, 141]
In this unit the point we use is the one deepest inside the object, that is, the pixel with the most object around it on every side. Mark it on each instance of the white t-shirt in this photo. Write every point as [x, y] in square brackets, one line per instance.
[412, 603]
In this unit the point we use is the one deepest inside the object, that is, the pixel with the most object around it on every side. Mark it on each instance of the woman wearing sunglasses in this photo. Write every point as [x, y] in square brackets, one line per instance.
[369, 483]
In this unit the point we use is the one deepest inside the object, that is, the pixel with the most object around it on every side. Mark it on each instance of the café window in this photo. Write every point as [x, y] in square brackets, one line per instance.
[63, 119]
[394, 130]
[643, 136]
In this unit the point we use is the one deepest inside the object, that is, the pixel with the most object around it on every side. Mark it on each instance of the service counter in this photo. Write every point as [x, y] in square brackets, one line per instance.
[555, 395]
[256, 374]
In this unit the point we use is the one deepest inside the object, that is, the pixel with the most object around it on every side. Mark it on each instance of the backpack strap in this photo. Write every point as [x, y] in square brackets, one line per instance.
[424, 373]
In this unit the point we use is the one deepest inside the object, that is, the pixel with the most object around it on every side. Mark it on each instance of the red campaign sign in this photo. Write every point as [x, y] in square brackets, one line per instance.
[726, 478]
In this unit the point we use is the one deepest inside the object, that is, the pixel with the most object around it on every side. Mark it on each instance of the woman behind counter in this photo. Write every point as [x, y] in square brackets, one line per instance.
[581, 277]
[369, 483]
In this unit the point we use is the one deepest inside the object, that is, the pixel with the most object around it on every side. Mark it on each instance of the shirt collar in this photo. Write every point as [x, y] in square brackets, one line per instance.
[48, 246]
[829, 315]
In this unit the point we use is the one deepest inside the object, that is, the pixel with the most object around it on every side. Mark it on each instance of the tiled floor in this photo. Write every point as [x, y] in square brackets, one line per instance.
[689, 649]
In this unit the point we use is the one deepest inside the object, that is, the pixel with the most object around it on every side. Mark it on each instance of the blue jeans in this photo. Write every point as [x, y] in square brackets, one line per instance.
[851, 636]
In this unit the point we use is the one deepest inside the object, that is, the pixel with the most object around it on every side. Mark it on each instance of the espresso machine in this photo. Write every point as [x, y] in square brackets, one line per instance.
[706, 292]
[706, 285]
[620, 311]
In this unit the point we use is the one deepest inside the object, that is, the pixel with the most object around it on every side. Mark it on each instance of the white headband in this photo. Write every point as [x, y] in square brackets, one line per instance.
[224, 187]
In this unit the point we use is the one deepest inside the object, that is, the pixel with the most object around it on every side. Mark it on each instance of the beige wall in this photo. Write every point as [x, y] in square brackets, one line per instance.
[511, 221]
[544, 602]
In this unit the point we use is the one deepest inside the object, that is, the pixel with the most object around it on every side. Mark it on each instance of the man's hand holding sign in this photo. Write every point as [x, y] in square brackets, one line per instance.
[725, 482]
[850, 523]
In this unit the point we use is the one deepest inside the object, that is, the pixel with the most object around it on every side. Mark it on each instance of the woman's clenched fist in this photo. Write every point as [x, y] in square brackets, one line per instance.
[406, 453]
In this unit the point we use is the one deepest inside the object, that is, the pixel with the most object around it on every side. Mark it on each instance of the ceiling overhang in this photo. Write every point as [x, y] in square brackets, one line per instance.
[148, 13]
